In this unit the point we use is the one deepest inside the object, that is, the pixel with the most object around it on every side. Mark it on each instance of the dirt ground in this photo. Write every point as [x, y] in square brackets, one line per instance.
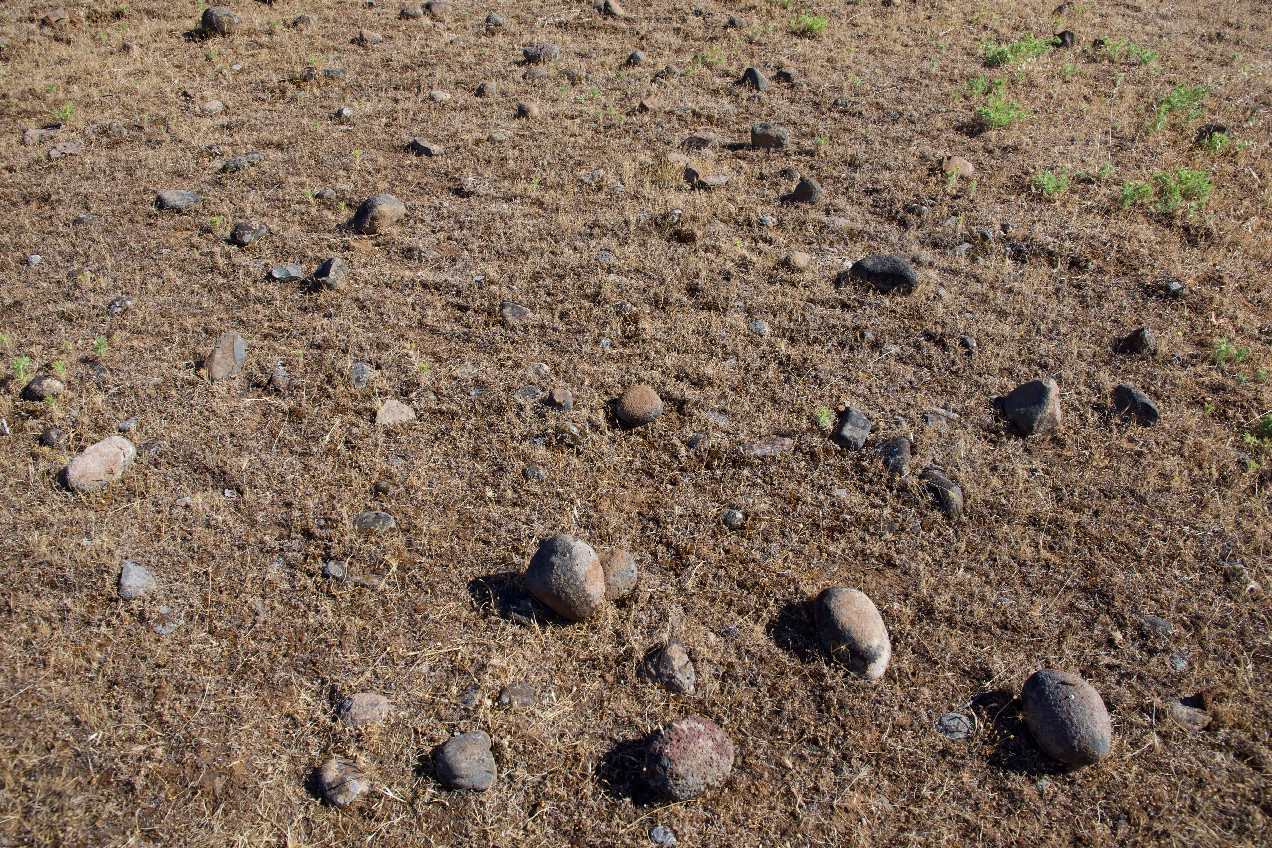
[197, 715]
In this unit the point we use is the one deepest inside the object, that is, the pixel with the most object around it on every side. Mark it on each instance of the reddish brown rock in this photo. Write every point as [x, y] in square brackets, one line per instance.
[689, 757]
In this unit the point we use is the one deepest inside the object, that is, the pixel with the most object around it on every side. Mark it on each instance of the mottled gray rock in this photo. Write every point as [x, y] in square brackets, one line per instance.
[363, 708]
[852, 631]
[378, 213]
[733, 519]
[342, 115]
[853, 429]
[635, 58]
[513, 313]
[957, 727]
[752, 78]
[100, 464]
[341, 784]
[541, 53]
[1033, 407]
[227, 357]
[419, 147]
[219, 20]
[639, 405]
[374, 522]
[286, 273]
[808, 190]
[177, 200]
[669, 666]
[1143, 340]
[393, 413]
[247, 232]
[884, 272]
[560, 398]
[786, 76]
[895, 453]
[43, 387]
[518, 694]
[688, 757]
[241, 162]
[279, 379]
[1067, 717]
[411, 13]
[946, 493]
[494, 20]
[619, 567]
[465, 762]
[768, 137]
[1133, 403]
[662, 835]
[565, 575]
[360, 375]
[135, 580]
[52, 437]
[439, 10]
[332, 273]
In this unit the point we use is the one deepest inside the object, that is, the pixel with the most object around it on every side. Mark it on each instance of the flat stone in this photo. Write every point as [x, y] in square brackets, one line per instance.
[332, 273]
[611, 8]
[895, 454]
[769, 446]
[393, 413]
[368, 37]
[287, 273]
[135, 580]
[852, 631]
[527, 109]
[560, 398]
[227, 357]
[100, 464]
[885, 272]
[360, 375]
[211, 107]
[439, 96]
[786, 76]
[42, 388]
[808, 190]
[957, 727]
[565, 575]
[514, 314]
[669, 666]
[688, 757]
[70, 147]
[768, 137]
[52, 437]
[946, 493]
[219, 20]
[518, 694]
[619, 568]
[1143, 340]
[701, 141]
[853, 429]
[247, 232]
[1189, 717]
[374, 522]
[34, 136]
[493, 20]
[759, 328]
[242, 162]
[439, 10]
[1130, 402]
[411, 13]
[419, 147]
[465, 762]
[1033, 407]
[378, 213]
[362, 709]
[797, 260]
[177, 200]
[341, 784]
[639, 405]
[1067, 717]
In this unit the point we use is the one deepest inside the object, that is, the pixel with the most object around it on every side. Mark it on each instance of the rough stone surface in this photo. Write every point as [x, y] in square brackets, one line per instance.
[541, 53]
[1067, 717]
[219, 20]
[52, 437]
[527, 109]
[753, 78]
[560, 398]
[669, 666]
[226, 358]
[393, 413]
[797, 260]
[286, 273]
[733, 519]
[177, 200]
[519, 694]
[341, 783]
[565, 574]
[100, 464]
[619, 567]
[374, 522]
[1033, 407]
[808, 190]
[42, 387]
[411, 13]
[378, 213]
[512, 313]
[332, 273]
[768, 137]
[769, 446]
[1133, 403]
[465, 762]
[885, 272]
[1143, 340]
[895, 454]
[688, 757]
[639, 405]
[958, 166]
[134, 580]
[419, 147]
[363, 708]
[247, 232]
[852, 631]
[853, 429]
[946, 493]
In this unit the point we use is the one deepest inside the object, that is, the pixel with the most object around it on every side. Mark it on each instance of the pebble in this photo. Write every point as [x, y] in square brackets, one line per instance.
[948, 496]
[688, 757]
[735, 22]
[439, 96]
[226, 358]
[52, 437]
[211, 107]
[886, 272]
[1065, 40]
[393, 413]
[241, 162]
[368, 37]
[1033, 407]
[560, 398]
[219, 20]
[331, 274]
[797, 260]
[334, 569]
[100, 464]
[768, 137]
[1143, 340]
[853, 429]
[341, 783]
[769, 446]
[360, 374]
[1155, 625]
[378, 213]
[423, 148]
[439, 10]
[958, 166]
[895, 453]
[619, 568]
[303, 21]
[527, 109]
[177, 200]
[639, 405]
[808, 190]
[287, 273]
[700, 141]
[759, 328]
[661, 835]
[1131, 402]
[135, 580]
[411, 13]
[71, 147]
[1189, 717]
[541, 53]
[635, 58]
[374, 522]
[752, 78]
[513, 314]
[518, 694]
[246, 232]
[611, 8]
[957, 727]
[1066, 717]
[565, 575]
[733, 519]
[535, 473]
[43, 387]
[669, 666]
[852, 631]
[342, 115]
[490, 88]
[465, 762]
[128, 425]
[279, 379]
[494, 20]
[1178, 662]
[363, 708]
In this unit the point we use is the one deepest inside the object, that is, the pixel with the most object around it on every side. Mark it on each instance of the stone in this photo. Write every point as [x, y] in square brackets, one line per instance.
[787, 76]
[241, 162]
[688, 757]
[635, 58]
[662, 835]
[494, 20]
[733, 519]
[419, 147]
[735, 22]
[1130, 402]
[71, 147]
[33, 136]
[541, 53]
[565, 575]
[611, 8]
[465, 762]
[1067, 717]
[360, 374]
[99, 465]
[226, 358]
[957, 166]
[341, 784]
[670, 667]
[885, 272]
[1155, 625]
[331, 274]
[368, 37]
[52, 437]
[439, 10]
[769, 446]
[1033, 407]
[759, 328]
[287, 273]
[797, 260]
[334, 569]
[439, 96]
[946, 493]
[519, 694]
[303, 21]
[968, 344]
[808, 190]
[219, 20]
[279, 379]
[411, 13]
[363, 708]
[247, 232]
[513, 314]
[700, 141]
[211, 107]
[1064, 40]
[957, 727]
[374, 522]
[490, 88]
[177, 200]
[1143, 340]
[619, 568]
[753, 78]
[639, 405]
[393, 413]
[852, 631]
[768, 137]
[135, 580]
[378, 213]
[342, 115]
[560, 398]
[895, 453]
[128, 425]
[853, 429]
[1189, 717]
[650, 103]
[527, 109]
[42, 388]
[56, 19]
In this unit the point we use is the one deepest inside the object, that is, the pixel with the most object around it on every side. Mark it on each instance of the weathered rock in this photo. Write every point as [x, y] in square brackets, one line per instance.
[439, 10]
[342, 115]
[527, 109]
[465, 762]
[368, 37]
[286, 273]
[219, 20]
[100, 464]
[493, 20]
[411, 13]
[797, 260]
[565, 574]
[688, 757]
[787, 76]
[885, 272]
[33, 136]
[1066, 717]
[639, 405]
[363, 708]
[489, 88]
[70, 147]
[752, 78]
[419, 147]
[341, 783]
[177, 200]
[135, 580]
[393, 413]
[246, 232]
[1143, 340]
[957, 166]
[241, 162]
[808, 190]
[374, 522]
[378, 213]
[769, 446]
[853, 429]
[700, 141]
[669, 666]
[1133, 403]
[760, 328]
[518, 694]
[1033, 407]
[635, 59]
[560, 398]
[211, 107]
[733, 519]
[1188, 716]
[52, 437]
[439, 96]
[619, 567]
[43, 387]
[227, 357]
[514, 314]
[768, 137]
[331, 274]
[541, 53]
[895, 453]
[852, 631]
[946, 493]
[279, 379]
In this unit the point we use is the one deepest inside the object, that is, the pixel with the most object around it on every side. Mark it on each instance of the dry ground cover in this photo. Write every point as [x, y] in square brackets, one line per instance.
[197, 714]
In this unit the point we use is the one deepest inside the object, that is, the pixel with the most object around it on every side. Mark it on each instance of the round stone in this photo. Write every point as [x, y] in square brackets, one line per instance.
[852, 631]
[246, 232]
[219, 20]
[542, 53]
[373, 522]
[688, 757]
[363, 708]
[527, 109]
[1067, 717]
[100, 464]
[733, 519]
[52, 437]
[886, 272]
[465, 762]
[639, 405]
[619, 567]
[378, 213]
[957, 166]
[566, 575]
[341, 783]
[176, 199]
[42, 388]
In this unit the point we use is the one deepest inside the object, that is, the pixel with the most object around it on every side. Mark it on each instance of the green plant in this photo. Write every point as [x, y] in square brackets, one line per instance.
[1226, 353]
[99, 346]
[823, 417]
[4, 339]
[1123, 49]
[212, 56]
[1106, 171]
[821, 141]
[998, 112]
[215, 221]
[1135, 193]
[1029, 47]
[309, 195]
[1068, 71]
[1214, 142]
[66, 113]
[20, 368]
[1180, 186]
[1182, 98]
[1050, 184]
[357, 157]
[809, 25]
[59, 368]
[423, 367]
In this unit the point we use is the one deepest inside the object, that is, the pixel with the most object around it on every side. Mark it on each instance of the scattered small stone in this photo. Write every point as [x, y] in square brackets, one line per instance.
[411, 13]
[733, 519]
[331, 274]
[852, 631]
[363, 708]
[52, 437]
[541, 53]
[957, 727]
[895, 453]
[535, 473]
[378, 213]
[527, 109]
[1143, 340]
[797, 260]
[635, 58]
[368, 37]
[493, 20]
[128, 425]
[490, 88]
[619, 568]
[1066, 717]
[219, 20]
[1033, 407]
[786, 76]
[688, 757]
[650, 103]
[177, 200]
[735, 22]
[341, 783]
[611, 8]
[1065, 40]
[518, 694]
[423, 148]
[752, 78]
[38, 135]
[669, 666]
[1189, 717]
[957, 166]
[465, 762]
[1177, 290]
[808, 190]
[71, 147]
[968, 344]
[226, 358]
[394, 413]
[1155, 625]
[528, 392]
[565, 575]
[211, 107]
[704, 182]
[43, 387]
[886, 272]
[374, 522]
[100, 464]
[334, 569]
[439, 96]
[1178, 662]
[769, 446]
[639, 405]
[700, 141]
[303, 22]
[287, 273]
[561, 398]
[853, 429]
[342, 115]
[497, 138]
[279, 379]
[759, 328]
[1133, 403]
[768, 137]
[246, 232]
[439, 9]
[241, 162]
[1205, 131]
[360, 374]
[135, 580]
[514, 314]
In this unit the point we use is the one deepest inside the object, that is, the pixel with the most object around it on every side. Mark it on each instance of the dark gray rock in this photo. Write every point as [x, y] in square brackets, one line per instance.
[226, 358]
[493, 20]
[635, 58]
[378, 213]
[279, 379]
[286, 273]
[219, 20]
[787, 76]
[360, 373]
[541, 53]
[565, 575]
[241, 162]
[895, 453]
[1131, 402]
[733, 519]
[688, 757]
[518, 694]
[411, 13]
[247, 232]
[946, 493]
[852, 631]
[177, 200]
[439, 10]
[885, 272]
[52, 437]
[853, 429]
[957, 727]
[340, 783]
[752, 78]
[1067, 717]
[808, 190]
[669, 666]
[331, 274]
[374, 522]
[42, 388]
[768, 137]
[1143, 340]
[465, 762]
[419, 147]
[1033, 407]
[342, 115]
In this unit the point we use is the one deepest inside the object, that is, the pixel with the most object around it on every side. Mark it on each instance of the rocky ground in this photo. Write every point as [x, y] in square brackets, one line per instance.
[571, 424]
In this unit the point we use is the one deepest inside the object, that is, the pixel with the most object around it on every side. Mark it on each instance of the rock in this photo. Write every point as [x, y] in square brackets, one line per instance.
[71, 147]
[565, 574]
[1143, 340]
[246, 232]
[957, 166]
[128, 425]
[334, 569]
[735, 22]
[100, 464]
[465, 762]
[733, 519]
[219, 20]
[439, 96]
[493, 20]
[411, 13]
[895, 453]
[797, 260]
[279, 379]
[360, 374]
[662, 835]
[619, 568]
[1066, 717]
[611, 8]
[650, 103]
[769, 446]
[700, 141]
[287, 273]
[1033, 407]
[439, 10]
[886, 272]
[1155, 625]
[378, 213]
[56, 19]
[211, 107]
[669, 666]
[535, 474]
[341, 783]
[514, 314]
[374, 522]
[1064, 40]
[423, 148]
[541, 53]
[331, 274]
[393, 413]
[759, 328]
[752, 78]
[226, 358]
[639, 405]
[342, 115]
[241, 162]
[52, 437]
[527, 109]
[948, 496]
[705, 182]
[43, 387]
[807, 191]
[135, 580]
[968, 344]
[769, 137]
[688, 757]
[1131, 402]
[1177, 290]
[303, 22]
[363, 708]
[560, 398]
[852, 631]
[957, 727]
[177, 200]
[635, 58]
[1189, 717]
[38, 135]
[368, 37]
[787, 76]
[518, 694]
[490, 88]
[853, 429]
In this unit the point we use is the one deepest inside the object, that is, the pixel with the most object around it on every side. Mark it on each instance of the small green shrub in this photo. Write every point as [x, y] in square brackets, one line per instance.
[99, 346]
[1124, 50]
[1029, 47]
[1180, 186]
[1226, 353]
[998, 112]
[1184, 99]
[809, 25]
[20, 368]
[1214, 143]
[824, 417]
[1135, 193]
[1050, 184]
[66, 113]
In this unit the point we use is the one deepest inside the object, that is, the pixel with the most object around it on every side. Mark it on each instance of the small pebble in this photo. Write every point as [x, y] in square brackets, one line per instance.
[177, 200]
[753, 78]
[518, 695]
[331, 274]
[393, 413]
[1143, 340]
[286, 273]
[42, 388]
[768, 137]
[247, 232]
[360, 374]
[895, 453]
[419, 147]
[527, 109]
[946, 493]
[119, 305]
[885, 272]
[561, 398]
[334, 569]
[958, 727]
[759, 328]
[669, 666]
[541, 53]
[135, 580]
[342, 115]
[733, 519]
[363, 708]
[128, 425]
[374, 522]
[660, 835]
[465, 762]
[52, 437]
